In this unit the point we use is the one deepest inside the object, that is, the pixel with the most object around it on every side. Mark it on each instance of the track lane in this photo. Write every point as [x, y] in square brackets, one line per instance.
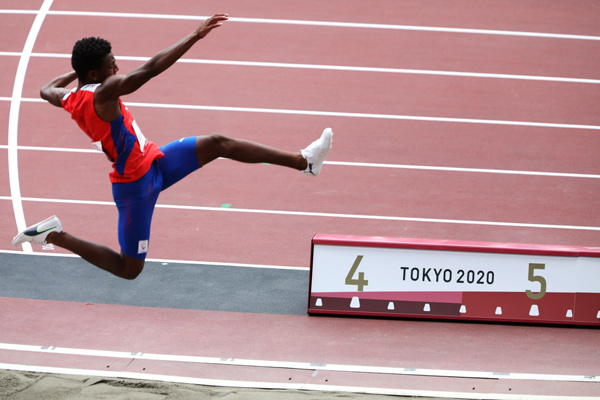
[451, 97]
[7, 79]
[4, 114]
[33, 5]
[406, 193]
[334, 46]
[357, 139]
[448, 97]
[400, 346]
[497, 14]
[4, 182]
[18, 25]
[267, 239]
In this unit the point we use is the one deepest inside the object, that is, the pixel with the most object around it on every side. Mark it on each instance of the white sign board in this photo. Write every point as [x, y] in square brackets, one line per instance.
[404, 277]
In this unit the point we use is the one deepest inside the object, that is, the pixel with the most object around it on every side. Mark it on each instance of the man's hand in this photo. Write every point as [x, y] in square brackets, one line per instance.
[213, 22]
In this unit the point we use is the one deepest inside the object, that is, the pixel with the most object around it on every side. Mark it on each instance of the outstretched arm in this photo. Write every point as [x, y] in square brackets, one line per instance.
[54, 91]
[119, 85]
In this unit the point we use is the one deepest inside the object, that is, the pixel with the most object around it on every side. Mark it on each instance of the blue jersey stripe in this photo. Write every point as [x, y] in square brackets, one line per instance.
[123, 141]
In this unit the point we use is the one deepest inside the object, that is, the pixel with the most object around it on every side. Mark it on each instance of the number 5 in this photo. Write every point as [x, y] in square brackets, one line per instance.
[540, 279]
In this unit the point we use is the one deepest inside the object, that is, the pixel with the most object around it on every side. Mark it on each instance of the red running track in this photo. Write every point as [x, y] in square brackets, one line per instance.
[433, 203]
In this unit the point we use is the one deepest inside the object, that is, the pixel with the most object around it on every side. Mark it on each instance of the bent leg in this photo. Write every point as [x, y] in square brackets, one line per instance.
[101, 256]
[135, 202]
[209, 148]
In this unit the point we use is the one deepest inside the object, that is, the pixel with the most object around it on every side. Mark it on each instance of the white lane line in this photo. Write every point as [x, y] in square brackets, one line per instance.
[338, 68]
[165, 261]
[358, 25]
[362, 115]
[456, 169]
[57, 149]
[382, 70]
[274, 385]
[368, 369]
[345, 114]
[367, 165]
[322, 215]
[13, 119]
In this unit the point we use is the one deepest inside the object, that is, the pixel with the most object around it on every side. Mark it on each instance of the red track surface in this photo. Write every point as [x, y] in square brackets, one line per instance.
[407, 344]
[224, 236]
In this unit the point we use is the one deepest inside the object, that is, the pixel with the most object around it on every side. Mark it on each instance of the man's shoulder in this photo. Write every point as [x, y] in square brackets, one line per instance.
[79, 99]
[78, 93]
[90, 87]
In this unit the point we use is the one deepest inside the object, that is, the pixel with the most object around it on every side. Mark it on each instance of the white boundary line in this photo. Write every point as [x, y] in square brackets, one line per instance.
[302, 365]
[321, 215]
[336, 68]
[367, 165]
[272, 385]
[168, 261]
[57, 149]
[457, 169]
[344, 114]
[13, 119]
[316, 23]
[363, 115]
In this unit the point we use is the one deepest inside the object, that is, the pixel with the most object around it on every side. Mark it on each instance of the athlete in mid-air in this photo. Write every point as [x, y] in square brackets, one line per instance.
[141, 169]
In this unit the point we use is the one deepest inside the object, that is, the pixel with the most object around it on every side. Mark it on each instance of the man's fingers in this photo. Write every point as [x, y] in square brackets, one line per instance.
[211, 23]
[218, 19]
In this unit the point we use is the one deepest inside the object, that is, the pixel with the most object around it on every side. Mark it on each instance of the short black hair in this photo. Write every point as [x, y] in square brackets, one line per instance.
[88, 54]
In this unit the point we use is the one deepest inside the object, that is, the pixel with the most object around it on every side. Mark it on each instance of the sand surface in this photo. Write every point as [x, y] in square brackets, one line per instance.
[21, 385]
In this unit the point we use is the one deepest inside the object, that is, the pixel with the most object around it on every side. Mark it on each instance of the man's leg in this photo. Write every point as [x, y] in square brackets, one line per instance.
[135, 202]
[209, 148]
[309, 160]
[101, 256]
[50, 231]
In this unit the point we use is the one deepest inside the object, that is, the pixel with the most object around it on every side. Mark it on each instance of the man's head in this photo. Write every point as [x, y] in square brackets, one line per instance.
[92, 59]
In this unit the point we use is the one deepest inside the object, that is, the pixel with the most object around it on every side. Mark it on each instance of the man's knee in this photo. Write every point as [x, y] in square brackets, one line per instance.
[132, 273]
[209, 148]
[132, 268]
[220, 144]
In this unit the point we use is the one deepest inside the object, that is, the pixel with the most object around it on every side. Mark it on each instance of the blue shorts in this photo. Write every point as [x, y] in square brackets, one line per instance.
[136, 200]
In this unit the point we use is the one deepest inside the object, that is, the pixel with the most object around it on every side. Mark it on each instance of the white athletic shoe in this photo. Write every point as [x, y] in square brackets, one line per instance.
[316, 152]
[39, 232]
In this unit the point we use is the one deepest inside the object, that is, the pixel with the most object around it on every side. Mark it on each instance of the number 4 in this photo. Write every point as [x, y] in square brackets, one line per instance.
[540, 279]
[361, 281]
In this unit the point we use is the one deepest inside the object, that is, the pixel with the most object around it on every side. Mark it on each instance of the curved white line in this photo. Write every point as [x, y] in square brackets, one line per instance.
[13, 120]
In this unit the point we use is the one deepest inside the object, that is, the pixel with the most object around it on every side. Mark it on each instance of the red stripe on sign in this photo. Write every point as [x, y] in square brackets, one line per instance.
[571, 308]
[364, 306]
[439, 297]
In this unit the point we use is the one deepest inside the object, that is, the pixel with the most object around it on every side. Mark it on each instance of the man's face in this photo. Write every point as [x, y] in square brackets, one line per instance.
[108, 68]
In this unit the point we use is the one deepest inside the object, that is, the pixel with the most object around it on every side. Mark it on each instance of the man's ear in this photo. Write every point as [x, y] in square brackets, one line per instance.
[93, 75]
